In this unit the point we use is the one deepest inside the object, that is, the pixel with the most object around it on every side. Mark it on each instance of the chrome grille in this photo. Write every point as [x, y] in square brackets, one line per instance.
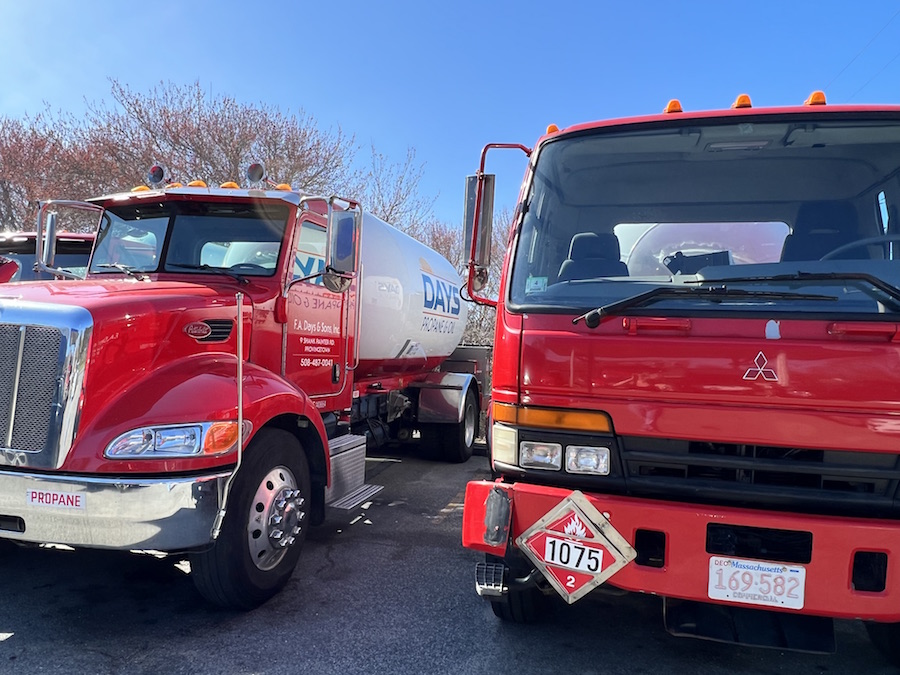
[43, 352]
[29, 370]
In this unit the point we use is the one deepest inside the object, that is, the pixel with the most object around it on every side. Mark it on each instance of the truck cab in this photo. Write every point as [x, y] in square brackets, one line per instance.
[696, 321]
[215, 380]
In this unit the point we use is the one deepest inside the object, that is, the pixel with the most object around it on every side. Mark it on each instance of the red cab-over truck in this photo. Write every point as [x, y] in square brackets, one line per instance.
[299, 324]
[696, 382]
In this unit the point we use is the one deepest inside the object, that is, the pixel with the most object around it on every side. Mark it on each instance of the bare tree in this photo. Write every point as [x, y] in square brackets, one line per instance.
[390, 190]
[214, 138]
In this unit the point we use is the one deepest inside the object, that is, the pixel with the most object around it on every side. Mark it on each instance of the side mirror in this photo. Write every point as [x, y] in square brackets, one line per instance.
[76, 216]
[341, 259]
[48, 246]
[478, 226]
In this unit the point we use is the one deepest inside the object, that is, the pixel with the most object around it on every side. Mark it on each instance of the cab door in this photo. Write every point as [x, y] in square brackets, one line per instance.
[316, 346]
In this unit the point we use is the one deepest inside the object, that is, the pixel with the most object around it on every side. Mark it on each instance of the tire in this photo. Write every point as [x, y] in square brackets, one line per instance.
[520, 604]
[453, 442]
[523, 605]
[886, 637]
[265, 524]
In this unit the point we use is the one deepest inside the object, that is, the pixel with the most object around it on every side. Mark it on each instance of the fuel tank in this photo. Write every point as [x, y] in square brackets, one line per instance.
[411, 313]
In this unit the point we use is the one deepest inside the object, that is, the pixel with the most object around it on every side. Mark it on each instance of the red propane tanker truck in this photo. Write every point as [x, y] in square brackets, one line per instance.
[696, 381]
[296, 323]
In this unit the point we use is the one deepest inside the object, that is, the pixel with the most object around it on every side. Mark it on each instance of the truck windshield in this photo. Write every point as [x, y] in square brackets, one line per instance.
[765, 203]
[191, 238]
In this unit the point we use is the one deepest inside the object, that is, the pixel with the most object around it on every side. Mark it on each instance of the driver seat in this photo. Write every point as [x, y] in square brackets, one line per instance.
[821, 227]
[592, 255]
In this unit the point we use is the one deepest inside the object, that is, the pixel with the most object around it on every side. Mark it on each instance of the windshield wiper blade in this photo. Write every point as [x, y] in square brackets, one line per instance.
[209, 268]
[593, 317]
[876, 282]
[122, 267]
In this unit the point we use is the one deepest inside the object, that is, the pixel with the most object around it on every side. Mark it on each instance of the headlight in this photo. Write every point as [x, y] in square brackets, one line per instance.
[587, 459]
[183, 440]
[536, 455]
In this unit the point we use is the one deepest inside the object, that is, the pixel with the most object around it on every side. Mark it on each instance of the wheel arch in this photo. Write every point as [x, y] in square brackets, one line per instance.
[442, 398]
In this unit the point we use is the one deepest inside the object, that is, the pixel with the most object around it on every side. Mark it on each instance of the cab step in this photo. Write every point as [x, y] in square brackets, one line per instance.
[489, 579]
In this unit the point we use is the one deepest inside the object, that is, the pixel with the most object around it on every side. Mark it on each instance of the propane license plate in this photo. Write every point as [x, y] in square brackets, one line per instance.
[756, 582]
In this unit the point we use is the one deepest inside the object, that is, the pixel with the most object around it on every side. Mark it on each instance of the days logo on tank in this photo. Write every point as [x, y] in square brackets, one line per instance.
[440, 296]
[759, 369]
[198, 330]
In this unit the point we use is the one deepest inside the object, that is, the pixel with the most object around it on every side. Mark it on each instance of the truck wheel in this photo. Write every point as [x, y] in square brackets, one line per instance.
[264, 528]
[886, 637]
[453, 442]
[519, 605]
[459, 440]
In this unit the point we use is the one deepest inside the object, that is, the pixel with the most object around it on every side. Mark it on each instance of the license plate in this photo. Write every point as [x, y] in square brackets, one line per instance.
[757, 583]
[572, 555]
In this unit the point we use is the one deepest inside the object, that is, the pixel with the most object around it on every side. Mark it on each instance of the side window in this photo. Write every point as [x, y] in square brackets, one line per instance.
[309, 258]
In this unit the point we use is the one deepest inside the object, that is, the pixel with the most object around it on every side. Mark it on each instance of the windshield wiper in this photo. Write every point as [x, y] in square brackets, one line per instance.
[876, 282]
[209, 268]
[593, 318]
[122, 267]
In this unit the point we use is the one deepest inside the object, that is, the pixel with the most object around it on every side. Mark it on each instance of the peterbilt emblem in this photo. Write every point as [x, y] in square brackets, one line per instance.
[198, 330]
[759, 370]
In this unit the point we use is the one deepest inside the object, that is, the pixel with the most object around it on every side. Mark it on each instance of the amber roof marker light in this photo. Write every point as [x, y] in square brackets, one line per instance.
[673, 106]
[815, 98]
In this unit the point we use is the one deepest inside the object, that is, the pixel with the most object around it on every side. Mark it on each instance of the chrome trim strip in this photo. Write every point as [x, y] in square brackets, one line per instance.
[161, 514]
[14, 394]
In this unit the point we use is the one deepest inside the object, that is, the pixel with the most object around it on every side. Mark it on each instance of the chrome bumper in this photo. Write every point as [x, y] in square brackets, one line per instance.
[161, 514]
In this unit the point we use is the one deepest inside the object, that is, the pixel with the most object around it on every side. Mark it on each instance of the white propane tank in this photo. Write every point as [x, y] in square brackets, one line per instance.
[411, 314]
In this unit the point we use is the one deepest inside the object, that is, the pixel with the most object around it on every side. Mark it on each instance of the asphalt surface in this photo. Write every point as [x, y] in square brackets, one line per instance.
[384, 588]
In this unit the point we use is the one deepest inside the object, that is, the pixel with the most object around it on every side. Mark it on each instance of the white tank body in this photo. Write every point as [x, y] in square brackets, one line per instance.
[411, 313]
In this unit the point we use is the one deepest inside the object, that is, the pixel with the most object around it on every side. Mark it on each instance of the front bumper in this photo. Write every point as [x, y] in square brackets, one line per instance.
[160, 514]
[835, 541]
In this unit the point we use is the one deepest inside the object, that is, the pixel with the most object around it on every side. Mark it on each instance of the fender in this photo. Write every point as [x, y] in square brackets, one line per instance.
[442, 396]
[198, 388]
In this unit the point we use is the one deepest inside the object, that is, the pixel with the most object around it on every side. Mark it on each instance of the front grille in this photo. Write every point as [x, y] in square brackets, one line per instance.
[803, 479]
[43, 352]
[29, 370]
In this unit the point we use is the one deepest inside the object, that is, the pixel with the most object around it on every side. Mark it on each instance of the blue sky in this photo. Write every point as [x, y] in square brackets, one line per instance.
[447, 77]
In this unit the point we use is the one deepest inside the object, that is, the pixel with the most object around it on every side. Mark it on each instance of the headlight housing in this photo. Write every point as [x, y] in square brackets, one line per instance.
[550, 440]
[178, 440]
[587, 459]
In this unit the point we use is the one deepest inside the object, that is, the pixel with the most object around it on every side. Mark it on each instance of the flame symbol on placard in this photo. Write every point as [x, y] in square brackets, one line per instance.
[575, 527]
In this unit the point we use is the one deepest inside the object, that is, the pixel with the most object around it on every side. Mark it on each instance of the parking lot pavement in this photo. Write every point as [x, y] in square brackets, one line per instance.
[383, 588]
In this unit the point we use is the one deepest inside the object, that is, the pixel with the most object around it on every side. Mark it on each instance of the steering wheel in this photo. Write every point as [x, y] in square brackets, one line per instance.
[868, 241]
[249, 267]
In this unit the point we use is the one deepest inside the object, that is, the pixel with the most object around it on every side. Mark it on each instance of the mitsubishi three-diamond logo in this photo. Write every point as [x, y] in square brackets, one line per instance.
[759, 370]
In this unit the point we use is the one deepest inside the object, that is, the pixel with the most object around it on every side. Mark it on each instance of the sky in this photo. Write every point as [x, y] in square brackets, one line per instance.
[445, 78]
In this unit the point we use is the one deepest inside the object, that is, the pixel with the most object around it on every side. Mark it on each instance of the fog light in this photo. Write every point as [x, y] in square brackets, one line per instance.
[534, 455]
[587, 459]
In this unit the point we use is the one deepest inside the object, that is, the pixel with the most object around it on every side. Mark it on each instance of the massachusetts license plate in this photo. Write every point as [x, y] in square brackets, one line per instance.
[756, 582]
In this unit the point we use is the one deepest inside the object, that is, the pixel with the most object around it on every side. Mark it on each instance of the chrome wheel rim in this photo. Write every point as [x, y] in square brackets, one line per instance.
[470, 425]
[276, 517]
